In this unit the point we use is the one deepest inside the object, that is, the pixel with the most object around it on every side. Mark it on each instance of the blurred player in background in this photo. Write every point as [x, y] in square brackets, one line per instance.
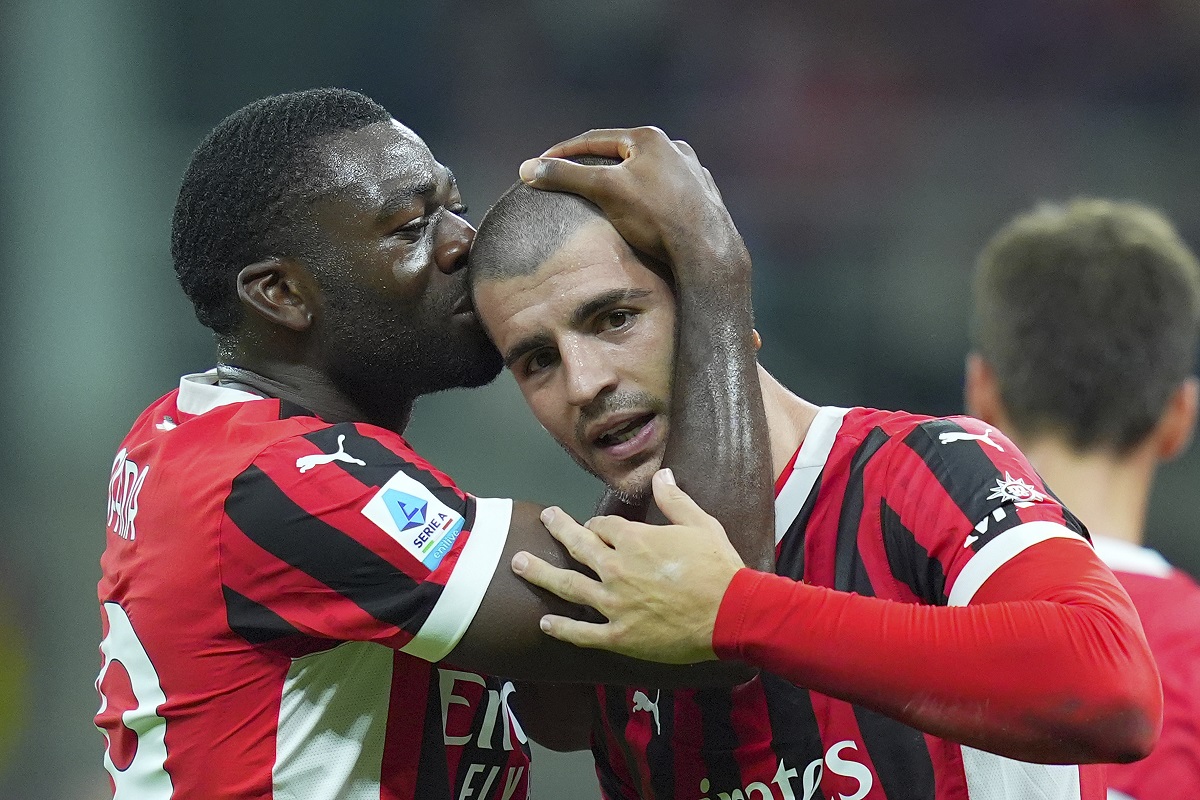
[1085, 333]
[295, 604]
[937, 621]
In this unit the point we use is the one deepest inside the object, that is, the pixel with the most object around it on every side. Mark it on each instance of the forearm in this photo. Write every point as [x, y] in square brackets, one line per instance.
[718, 445]
[1034, 680]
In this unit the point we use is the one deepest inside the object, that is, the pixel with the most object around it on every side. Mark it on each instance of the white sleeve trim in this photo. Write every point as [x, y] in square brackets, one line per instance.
[464, 590]
[1000, 551]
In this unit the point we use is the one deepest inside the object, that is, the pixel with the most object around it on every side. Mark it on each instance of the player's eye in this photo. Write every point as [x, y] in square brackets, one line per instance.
[540, 360]
[617, 319]
[413, 228]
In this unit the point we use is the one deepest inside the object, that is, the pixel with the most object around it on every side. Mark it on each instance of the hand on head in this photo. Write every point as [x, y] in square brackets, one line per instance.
[658, 195]
[659, 587]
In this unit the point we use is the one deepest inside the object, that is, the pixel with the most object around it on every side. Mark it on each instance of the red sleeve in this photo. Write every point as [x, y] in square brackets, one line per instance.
[1169, 606]
[344, 533]
[1048, 663]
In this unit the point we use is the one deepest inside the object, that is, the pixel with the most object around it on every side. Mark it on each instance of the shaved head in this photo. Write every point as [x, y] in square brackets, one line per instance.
[526, 226]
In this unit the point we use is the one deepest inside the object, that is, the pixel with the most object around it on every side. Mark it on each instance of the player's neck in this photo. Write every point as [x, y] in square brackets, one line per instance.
[1108, 493]
[311, 389]
[788, 419]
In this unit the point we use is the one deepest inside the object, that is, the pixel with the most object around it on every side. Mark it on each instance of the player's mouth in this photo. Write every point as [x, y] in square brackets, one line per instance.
[625, 435]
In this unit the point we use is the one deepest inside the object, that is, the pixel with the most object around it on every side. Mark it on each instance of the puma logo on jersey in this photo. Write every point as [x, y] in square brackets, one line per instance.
[305, 463]
[641, 702]
[962, 436]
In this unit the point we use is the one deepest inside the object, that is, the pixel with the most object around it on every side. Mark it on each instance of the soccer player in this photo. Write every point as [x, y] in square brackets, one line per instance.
[294, 603]
[1085, 330]
[938, 627]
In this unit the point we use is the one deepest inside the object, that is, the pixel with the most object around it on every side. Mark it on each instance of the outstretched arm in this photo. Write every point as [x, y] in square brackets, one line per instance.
[1047, 663]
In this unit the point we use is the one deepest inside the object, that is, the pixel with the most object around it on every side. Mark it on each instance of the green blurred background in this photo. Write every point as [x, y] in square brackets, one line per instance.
[866, 149]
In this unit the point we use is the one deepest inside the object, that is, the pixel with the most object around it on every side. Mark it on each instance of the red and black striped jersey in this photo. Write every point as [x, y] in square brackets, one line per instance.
[277, 596]
[883, 504]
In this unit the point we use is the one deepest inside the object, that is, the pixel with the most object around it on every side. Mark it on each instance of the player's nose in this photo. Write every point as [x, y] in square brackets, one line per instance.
[454, 238]
[587, 373]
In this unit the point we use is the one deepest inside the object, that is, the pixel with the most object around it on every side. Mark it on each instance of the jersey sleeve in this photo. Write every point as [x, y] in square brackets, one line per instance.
[960, 501]
[346, 534]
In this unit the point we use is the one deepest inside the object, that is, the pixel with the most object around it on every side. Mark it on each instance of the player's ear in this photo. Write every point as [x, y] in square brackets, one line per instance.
[981, 391]
[1178, 421]
[280, 290]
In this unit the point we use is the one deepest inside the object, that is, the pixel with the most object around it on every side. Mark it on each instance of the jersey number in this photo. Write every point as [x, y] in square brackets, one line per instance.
[130, 696]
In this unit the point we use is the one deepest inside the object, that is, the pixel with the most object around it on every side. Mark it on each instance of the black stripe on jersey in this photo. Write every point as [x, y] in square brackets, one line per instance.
[849, 573]
[288, 409]
[616, 709]
[277, 524]
[433, 773]
[900, 755]
[1071, 521]
[610, 786]
[660, 755]
[795, 734]
[720, 738]
[966, 474]
[381, 463]
[790, 560]
[255, 623]
[909, 561]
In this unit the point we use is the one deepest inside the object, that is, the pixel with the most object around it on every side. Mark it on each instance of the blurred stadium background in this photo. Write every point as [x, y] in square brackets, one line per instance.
[866, 149]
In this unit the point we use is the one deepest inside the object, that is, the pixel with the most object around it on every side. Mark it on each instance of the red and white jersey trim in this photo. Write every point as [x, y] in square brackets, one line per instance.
[814, 453]
[1000, 551]
[458, 602]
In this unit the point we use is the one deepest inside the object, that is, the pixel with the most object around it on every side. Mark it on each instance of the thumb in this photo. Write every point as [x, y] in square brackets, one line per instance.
[560, 175]
[674, 503]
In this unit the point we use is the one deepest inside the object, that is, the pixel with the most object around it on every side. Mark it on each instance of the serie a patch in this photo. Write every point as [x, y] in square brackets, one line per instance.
[409, 513]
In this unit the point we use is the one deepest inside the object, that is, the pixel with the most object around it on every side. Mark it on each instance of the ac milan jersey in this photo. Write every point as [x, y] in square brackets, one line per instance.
[277, 596]
[1168, 602]
[884, 504]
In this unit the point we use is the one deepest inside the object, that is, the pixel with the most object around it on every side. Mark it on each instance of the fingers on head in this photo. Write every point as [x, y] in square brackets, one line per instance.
[609, 142]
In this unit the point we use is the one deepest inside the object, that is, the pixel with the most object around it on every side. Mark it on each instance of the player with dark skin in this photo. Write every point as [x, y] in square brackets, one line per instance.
[379, 313]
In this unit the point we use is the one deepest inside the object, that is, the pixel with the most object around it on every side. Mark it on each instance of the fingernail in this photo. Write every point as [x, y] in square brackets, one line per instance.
[544, 624]
[668, 477]
[530, 170]
[520, 562]
[547, 515]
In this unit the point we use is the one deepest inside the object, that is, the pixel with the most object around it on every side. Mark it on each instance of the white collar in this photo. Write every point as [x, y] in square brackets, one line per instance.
[200, 392]
[1123, 556]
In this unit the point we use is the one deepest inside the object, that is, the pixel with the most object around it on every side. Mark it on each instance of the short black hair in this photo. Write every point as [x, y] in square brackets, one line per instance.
[526, 226]
[1089, 313]
[238, 199]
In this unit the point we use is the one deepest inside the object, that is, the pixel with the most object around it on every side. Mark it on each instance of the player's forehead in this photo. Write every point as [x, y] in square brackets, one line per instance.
[593, 269]
[378, 161]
